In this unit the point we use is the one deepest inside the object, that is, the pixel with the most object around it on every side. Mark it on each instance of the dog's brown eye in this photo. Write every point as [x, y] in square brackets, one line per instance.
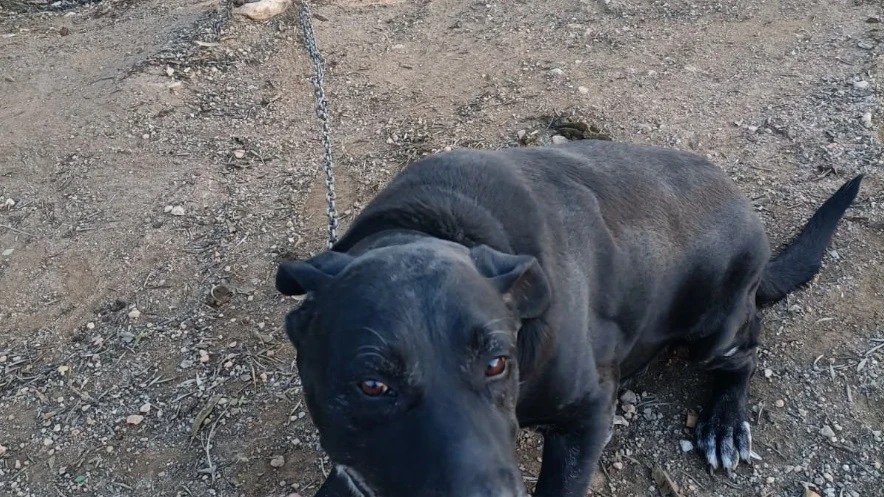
[496, 367]
[373, 388]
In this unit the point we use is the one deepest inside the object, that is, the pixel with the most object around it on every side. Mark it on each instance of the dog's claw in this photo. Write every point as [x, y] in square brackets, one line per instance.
[725, 439]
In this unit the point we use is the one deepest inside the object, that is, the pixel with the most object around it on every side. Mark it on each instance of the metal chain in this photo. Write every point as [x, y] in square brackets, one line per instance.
[305, 17]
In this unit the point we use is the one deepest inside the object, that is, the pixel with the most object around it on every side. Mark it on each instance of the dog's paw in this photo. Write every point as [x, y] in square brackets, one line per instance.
[724, 437]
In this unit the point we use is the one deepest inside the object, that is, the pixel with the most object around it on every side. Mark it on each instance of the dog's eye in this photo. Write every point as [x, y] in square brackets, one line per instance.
[496, 367]
[373, 388]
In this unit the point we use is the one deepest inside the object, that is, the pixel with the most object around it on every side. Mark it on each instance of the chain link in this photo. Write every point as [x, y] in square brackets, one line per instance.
[305, 17]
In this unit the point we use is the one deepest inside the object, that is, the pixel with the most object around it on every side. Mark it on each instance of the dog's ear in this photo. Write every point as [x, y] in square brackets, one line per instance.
[519, 278]
[312, 275]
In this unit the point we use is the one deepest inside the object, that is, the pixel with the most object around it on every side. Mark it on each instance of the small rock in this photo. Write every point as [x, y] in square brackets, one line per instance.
[582, 89]
[169, 71]
[2, 450]
[691, 420]
[827, 432]
[768, 373]
[134, 419]
[134, 313]
[556, 72]
[167, 209]
[204, 356]
[177, 211]
[262, 9]
[867, 119]
[559, 139]
[652, 73]
[860, 85]
[752, 129]
[8, 252]
[145, 408]
[629, 397]
[620, 421]
[865, 45]
[277, 461]
[686, 445]
[239, 154]
[780, 403]
[90, 325]
[9, 204]
[617, 465]
[219, 295]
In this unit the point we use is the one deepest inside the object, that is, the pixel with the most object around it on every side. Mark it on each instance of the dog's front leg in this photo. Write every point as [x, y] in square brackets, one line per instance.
[571, 452]
[340, 483]
[723, 432]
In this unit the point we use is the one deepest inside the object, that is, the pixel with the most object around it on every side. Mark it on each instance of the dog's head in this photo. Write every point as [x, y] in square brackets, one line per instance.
[407, 356]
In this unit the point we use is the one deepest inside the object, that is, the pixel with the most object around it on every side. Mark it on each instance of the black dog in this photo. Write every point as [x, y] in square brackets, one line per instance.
[485, 291]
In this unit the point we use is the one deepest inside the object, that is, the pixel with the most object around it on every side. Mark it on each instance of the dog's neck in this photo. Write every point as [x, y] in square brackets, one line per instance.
[445, 216]
[385, 238]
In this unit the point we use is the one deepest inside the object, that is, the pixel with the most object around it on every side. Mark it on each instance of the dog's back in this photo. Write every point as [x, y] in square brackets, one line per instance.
[642, 234]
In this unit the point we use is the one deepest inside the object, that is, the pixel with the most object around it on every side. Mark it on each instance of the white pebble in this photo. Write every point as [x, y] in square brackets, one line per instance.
[629, 397]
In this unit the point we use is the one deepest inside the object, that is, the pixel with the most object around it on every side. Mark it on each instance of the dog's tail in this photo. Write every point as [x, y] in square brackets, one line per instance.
[800, 260]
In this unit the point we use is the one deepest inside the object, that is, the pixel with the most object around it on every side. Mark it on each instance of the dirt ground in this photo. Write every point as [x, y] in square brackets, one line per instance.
[158, 158]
